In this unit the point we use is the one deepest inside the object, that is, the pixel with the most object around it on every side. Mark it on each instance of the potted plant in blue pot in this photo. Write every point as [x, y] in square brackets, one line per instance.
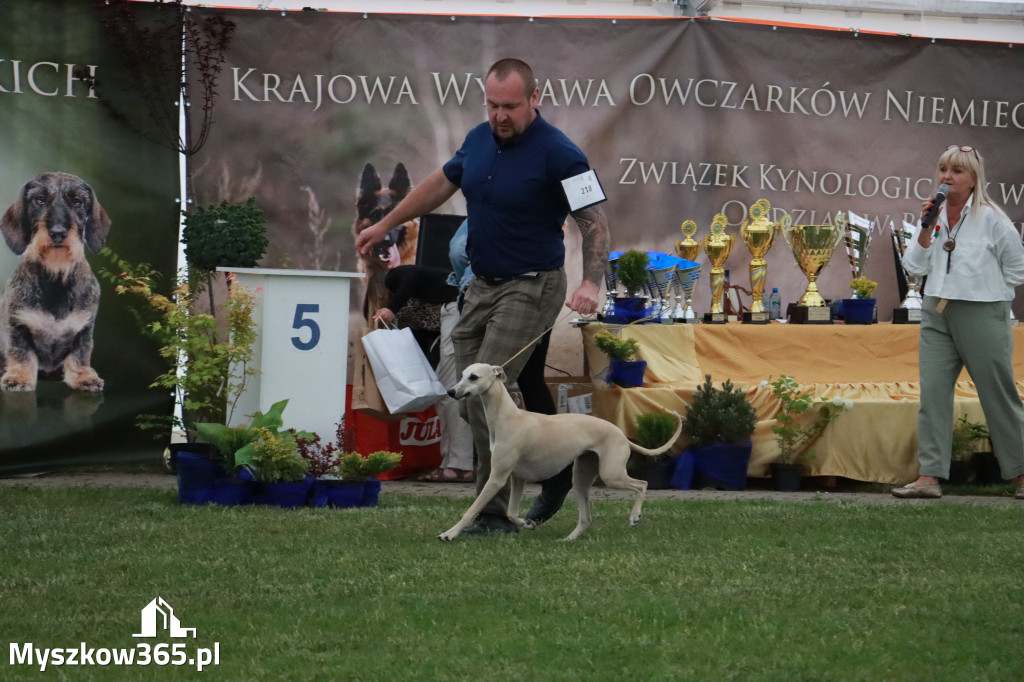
[359, 473]
[624, 369]
[236, 446]
[279, 469]
[631, 272]
[654, 429]
[861, 308]
[719, 423]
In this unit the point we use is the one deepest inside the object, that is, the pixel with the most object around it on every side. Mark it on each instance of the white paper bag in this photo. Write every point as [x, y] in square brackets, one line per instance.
[406, 380]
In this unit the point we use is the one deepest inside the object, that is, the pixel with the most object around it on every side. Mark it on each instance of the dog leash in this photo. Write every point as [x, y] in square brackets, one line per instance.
[530, 344]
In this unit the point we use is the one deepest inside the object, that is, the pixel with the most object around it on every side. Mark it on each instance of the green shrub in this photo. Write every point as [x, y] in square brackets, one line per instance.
[719, 415]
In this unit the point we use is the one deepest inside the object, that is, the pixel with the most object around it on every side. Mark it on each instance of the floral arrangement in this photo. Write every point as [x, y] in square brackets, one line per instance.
[793, 439]
[863, 287]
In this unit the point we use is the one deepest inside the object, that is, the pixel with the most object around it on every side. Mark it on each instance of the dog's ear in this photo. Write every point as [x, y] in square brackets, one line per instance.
[369, 185]
[12, 225]
[400, 183]
[499, 373]
[98, 228]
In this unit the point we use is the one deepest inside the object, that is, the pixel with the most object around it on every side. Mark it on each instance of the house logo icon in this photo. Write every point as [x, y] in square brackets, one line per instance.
[158, 614]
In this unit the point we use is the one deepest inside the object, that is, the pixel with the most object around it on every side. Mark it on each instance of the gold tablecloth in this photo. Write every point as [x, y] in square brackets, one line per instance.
[875, 366]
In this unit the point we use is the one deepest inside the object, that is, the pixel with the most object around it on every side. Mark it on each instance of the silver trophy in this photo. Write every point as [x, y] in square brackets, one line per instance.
[661, 273]
[909, 311]
[610, 284]
[858, 239]
[685, 277]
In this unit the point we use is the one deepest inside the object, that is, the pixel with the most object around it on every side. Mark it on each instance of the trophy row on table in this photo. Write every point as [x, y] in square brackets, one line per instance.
[672, 278]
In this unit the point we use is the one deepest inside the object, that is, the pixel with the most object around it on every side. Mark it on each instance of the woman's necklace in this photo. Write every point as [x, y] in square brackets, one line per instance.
[950, 242]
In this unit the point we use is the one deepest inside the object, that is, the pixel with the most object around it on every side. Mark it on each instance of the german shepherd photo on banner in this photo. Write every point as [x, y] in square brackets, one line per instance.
[373, 202]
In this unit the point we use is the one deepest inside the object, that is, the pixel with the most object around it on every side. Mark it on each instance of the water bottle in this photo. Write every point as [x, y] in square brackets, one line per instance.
[775, 305]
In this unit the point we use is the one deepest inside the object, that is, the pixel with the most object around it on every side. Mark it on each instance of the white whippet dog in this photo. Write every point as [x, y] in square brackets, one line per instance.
[532, 447]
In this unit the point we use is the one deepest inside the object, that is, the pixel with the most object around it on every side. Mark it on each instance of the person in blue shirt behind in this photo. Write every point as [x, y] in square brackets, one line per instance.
[510, 170]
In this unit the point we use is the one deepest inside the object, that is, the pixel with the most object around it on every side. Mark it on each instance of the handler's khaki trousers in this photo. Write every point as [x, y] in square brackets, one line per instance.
[497, 322]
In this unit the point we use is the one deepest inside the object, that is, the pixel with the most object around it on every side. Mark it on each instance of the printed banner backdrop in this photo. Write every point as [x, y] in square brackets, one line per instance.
[682, 119]
[50, 120]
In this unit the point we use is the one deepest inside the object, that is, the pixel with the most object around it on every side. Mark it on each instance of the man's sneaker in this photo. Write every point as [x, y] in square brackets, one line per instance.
[552, 494]
[485, 524]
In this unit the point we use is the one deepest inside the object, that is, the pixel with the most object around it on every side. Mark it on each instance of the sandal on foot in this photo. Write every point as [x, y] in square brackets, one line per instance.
[913, 490]
[447, 475]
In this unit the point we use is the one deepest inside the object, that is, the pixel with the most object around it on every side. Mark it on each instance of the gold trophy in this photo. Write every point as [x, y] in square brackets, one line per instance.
[758, 234]
[718, 246]
[688, 249]
[812, 247]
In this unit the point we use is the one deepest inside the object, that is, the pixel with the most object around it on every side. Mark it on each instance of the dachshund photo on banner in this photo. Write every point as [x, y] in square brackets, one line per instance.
[48, 306]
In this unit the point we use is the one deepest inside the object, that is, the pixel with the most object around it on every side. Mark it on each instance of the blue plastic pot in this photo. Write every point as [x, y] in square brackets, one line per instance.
[858, 310]
[626, 310]
[717, 466]
[336, 493]
[626, 374]
[287, 494]
[371, 492]
[232, 491]
[197, 478]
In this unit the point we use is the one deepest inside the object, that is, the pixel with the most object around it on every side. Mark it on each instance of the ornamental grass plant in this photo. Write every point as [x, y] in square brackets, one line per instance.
[699, 590]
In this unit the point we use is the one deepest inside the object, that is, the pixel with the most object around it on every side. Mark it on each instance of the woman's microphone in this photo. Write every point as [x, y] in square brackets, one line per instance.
[933, 210]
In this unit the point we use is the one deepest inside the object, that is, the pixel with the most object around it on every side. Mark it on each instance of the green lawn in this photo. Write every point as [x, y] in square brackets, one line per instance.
[700, 590]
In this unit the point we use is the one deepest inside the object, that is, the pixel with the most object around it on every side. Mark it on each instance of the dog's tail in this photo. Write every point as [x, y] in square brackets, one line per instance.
[664, 448]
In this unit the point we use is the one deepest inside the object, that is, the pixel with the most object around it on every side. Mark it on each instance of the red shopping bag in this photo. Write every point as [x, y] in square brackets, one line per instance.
[417, 436]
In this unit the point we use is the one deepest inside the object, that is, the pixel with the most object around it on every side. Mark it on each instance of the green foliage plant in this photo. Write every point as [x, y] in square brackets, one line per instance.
[793, 438]
[631, 270]
[223, 235]
[965, 433]
[237, 444]
[207, 369]
[352, 466]
[615, 347]
[719, 416]
[654, 429]
[276, 459]
[863, 287]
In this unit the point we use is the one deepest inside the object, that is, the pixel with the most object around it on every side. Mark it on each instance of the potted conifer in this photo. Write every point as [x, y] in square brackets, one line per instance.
[624, 369]
[719, 423]
[654, 429]
[631, 272]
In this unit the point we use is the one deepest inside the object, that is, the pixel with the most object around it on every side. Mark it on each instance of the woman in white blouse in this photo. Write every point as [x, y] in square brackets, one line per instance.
[973, 258]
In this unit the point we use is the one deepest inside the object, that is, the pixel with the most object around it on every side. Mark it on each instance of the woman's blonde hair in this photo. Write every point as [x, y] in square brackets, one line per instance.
[973, 163]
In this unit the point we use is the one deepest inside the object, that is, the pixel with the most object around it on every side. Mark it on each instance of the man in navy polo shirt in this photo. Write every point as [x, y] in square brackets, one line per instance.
[510, 170]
